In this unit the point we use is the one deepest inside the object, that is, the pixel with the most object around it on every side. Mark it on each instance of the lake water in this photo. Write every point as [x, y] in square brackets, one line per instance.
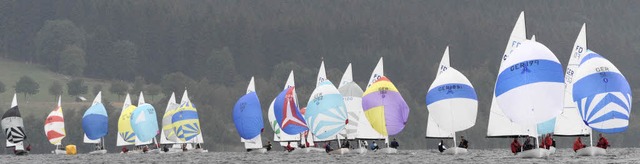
[615, 155]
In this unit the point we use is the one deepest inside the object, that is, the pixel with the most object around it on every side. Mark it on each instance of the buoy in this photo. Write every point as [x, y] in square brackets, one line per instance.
[71, 150]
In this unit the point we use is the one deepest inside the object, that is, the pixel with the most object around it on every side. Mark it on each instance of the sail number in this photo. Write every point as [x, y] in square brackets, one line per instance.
[524, 65]
[579, 50]
[317, 98]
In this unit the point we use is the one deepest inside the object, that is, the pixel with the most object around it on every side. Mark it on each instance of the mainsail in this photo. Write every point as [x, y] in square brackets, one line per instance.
[167, 136]
[278, 135]
[499, 124]
[365, 130]
[54, 125]
[569, 122]
[433, 129]
[602, 94]
[95, 122]
[352, 94]
[13, 126]
[126, 135]
[144, 122]
[247, 118]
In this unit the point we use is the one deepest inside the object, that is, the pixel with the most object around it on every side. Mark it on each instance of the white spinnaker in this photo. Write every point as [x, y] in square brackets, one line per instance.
[352, 94]
[499, 125]
[456, 110]
[534, 94]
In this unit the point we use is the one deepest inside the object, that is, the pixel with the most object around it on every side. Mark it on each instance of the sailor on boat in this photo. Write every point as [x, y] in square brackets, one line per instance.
[124, 149]
[602, 142]
[374, 146]
[516, 147]
[578, 144]
[289, 148]
[528, 145]
[267, 146]
[547, 142]
[463, 143]
[327, 147]
[394, 144]
[441, 146]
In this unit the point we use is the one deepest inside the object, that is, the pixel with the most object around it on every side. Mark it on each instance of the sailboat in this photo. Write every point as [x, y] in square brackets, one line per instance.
[452, 102]
[95, 124]
[278, 135]
[500, 126]
[287, 113]
[126, 135]
[385, 109]
[54, 128]
[326, 113]
[534, 72]
[247, 117]
[433, 129]
[358, 126]
[167, 135]
[603, 97]
[186, 124]
[145, 125]
[13, 127]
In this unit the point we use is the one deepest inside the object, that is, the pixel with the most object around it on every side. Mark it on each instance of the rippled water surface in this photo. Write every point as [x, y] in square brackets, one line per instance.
[615, 155]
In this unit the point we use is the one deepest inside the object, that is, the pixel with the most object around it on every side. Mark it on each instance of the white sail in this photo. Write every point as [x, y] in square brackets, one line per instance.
[543, 93]
[569, 122]
[13, 122]
[167, 135]
[346, 77]
[452, 101]
[278, 134]
[352, 94]
[499, 125]
[96, 100]
[127, 102]
[365, 130]
[378, 72]
[54, 125]
[322, 75]
[254, 143]
[252, 86]
[433, 129]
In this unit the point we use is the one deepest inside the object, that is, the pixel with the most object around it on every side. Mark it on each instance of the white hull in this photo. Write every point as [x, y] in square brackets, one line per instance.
[198, 151]
[308, 150]
[455, 151]
[58, 151]
[99, 152]
[534, 153]
[174, 150]
[388, 150]
[552, 150]
[340, 151]
[258, 151]
[591, 151]
[155, 151]
[361, 150]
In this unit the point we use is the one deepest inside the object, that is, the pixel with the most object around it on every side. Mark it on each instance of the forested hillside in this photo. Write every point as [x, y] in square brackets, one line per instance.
[212, 48]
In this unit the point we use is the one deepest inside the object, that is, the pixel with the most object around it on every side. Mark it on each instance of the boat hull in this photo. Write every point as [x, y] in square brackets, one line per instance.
[591, 151]
[308, 150]
[552, 150]
[388, 150]
[455, 151]
[58, 151]
[360, 150]
[340, 151]
[534, 153]
[98, 152]
[258, 151]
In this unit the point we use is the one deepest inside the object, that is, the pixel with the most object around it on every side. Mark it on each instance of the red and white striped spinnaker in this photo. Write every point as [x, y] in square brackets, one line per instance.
[54, 125]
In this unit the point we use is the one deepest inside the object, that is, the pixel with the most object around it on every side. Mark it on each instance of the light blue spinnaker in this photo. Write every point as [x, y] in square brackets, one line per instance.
[602, 94]
[144, 122]
[326, 112]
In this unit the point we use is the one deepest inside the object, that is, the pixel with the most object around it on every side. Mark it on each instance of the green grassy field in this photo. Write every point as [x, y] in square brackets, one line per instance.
[41, 103]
